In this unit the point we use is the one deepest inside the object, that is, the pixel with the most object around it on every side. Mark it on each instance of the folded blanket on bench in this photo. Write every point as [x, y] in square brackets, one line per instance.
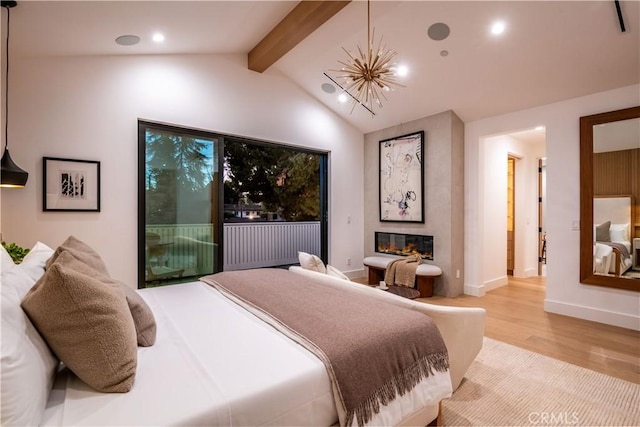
[402, 272]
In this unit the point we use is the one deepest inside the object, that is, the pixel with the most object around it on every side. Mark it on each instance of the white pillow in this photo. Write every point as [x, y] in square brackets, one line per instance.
[27, 365]
[619, 232]
[332, 271]
[33, 266]
[6, 262]
[311, 262]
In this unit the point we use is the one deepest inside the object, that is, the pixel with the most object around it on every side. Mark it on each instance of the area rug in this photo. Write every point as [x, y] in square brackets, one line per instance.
[510, 386]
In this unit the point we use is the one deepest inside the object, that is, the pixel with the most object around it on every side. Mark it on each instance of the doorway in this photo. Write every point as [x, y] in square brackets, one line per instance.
[511, 212]
[542, 229]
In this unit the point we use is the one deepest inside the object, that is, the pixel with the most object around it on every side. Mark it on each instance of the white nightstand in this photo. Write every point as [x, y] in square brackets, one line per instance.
[636, 253]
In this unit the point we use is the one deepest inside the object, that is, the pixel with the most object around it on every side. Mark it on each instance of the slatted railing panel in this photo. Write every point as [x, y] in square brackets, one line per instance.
[189, 247]
[268, 244]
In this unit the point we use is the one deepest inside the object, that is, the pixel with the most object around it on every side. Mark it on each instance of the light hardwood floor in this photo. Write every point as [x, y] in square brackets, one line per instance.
[515, 315]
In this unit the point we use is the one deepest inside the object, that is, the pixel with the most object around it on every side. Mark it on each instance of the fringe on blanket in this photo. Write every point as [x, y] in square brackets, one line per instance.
[398, 385]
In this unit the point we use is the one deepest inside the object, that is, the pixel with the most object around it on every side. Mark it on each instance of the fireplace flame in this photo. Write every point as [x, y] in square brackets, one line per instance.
[391, 246]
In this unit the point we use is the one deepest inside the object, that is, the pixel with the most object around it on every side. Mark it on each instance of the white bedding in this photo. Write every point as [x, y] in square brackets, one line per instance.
[214, 363]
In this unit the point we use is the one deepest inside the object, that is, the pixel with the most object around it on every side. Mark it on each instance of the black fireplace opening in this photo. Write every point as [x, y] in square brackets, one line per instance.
[404, 244]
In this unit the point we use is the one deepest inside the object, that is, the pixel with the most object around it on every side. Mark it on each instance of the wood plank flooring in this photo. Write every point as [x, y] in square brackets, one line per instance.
[515, 315]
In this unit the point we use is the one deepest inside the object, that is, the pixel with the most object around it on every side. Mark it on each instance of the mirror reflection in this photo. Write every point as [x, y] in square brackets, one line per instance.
[610, 199]
[616, 193]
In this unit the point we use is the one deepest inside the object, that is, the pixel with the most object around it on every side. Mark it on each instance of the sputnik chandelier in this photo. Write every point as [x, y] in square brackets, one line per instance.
[365, 77]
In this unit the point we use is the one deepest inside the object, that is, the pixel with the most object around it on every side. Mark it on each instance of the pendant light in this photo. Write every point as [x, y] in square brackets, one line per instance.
[11, 175]
[367, 75]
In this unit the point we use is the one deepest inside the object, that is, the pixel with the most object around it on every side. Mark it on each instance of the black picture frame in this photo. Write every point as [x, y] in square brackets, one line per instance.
[70, 185]
[401, 178]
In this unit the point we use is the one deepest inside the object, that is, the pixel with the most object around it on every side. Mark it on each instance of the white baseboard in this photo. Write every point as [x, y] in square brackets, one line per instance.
[495, 283]
[478, 291]
[596, 315]
[474, 291]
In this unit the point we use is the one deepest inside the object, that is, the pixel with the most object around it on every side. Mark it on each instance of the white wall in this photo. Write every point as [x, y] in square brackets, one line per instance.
[565, 293]
[88, 107]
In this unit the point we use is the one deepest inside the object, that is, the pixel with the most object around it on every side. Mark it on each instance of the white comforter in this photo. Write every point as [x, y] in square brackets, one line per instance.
[216, 364]
[212, 364]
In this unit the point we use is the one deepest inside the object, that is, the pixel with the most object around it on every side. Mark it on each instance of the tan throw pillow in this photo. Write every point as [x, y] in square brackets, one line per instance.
[88, 325]
[81, 251]
[143, 318]
[602, 232]
[311, 262]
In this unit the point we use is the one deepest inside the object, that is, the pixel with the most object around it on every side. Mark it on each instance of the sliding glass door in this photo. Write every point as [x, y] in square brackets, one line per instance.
[179, 229]
[209, 202]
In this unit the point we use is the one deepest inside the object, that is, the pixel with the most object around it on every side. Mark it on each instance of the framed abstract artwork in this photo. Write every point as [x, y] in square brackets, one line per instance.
[401, 189]
[70, 185]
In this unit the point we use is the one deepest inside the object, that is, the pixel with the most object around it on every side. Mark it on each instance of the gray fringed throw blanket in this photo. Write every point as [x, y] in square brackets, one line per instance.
[373, 350]
[624, 252]
[402, 272]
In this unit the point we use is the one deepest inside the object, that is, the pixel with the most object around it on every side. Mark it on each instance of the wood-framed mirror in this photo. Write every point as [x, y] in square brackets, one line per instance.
[610, 199]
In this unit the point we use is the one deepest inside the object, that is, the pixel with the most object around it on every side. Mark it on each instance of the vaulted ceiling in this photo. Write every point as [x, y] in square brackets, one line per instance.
[549, 51]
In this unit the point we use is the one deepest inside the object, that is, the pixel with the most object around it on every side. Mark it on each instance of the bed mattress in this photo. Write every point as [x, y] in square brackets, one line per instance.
[212, 364]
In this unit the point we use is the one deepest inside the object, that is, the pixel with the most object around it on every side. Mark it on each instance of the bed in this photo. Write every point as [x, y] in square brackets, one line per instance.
[212, 363]
[612, 227]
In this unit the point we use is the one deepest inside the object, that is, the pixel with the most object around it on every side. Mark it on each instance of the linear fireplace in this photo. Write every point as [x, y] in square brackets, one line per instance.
[404, 244]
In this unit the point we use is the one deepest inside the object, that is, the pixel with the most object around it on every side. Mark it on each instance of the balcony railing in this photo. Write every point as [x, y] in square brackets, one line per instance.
[187, 250]
[268, 244]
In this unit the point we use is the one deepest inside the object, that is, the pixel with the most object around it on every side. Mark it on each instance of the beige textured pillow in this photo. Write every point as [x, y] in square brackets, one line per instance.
[311, 262]
[81, 251]
[602, 232]
[143, 318]
[87, 324]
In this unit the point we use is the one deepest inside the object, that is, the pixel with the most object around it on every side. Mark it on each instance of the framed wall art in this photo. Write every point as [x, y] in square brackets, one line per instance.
[401, 188]
[70, 185]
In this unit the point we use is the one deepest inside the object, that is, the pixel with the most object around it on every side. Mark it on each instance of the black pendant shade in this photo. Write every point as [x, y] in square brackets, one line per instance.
[11, 175]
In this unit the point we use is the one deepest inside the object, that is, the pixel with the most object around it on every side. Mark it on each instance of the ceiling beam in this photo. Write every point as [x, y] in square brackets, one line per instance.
[303, 20]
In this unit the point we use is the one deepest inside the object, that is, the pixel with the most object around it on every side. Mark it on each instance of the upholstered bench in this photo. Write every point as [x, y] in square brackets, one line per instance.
[425, 273]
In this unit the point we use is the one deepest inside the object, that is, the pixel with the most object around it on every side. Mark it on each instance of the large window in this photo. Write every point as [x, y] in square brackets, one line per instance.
[274, 204]
[179, 233]
[269, 202]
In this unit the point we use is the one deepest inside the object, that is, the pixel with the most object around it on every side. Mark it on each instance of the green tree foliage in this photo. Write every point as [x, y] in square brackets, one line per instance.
[282, 180]
[298, 192]
[177, 168]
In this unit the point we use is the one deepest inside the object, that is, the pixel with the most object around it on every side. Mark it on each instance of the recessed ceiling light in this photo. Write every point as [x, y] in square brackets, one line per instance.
[444, 53]
[402, 70]
[158, 38]
[342, 98]
[128, 40]
[498, 28]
